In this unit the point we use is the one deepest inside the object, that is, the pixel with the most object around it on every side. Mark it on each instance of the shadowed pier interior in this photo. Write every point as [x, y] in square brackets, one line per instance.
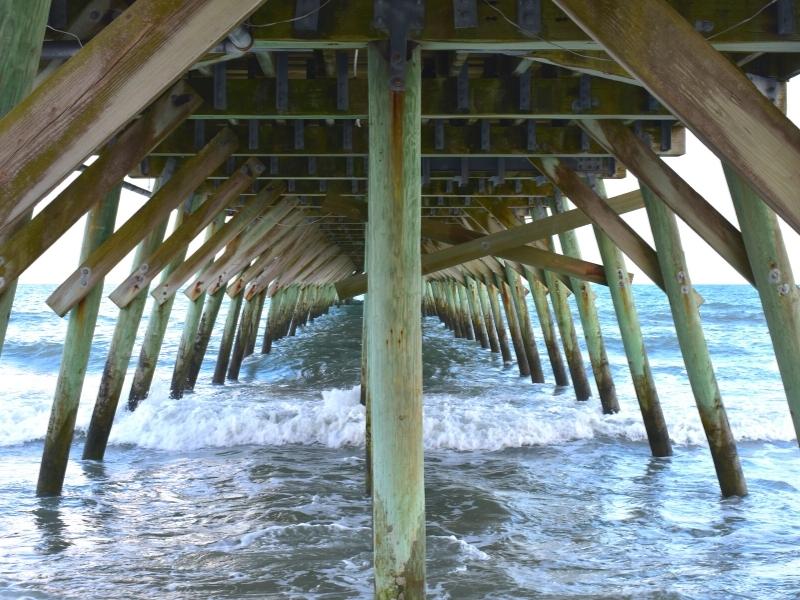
[435, 157]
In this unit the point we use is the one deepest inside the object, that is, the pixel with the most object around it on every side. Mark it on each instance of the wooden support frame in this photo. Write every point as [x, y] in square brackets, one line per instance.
[704, 89]
[186, 180]
[140, 56]
[20, 249]
[684, 201]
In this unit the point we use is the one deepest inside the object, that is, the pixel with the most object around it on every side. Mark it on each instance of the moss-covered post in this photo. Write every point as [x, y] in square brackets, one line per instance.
[204, 331]
[452, 308]
[497, 317]
[486, 309]
[625, 308]
[513, 326]
[693, 346]
[272, 320]
[524, 319]
[77, 345]
[466, 316]
[22, 27]
[394, 337]
[539, 294]
[119, 353]
[478, 326]
[226, 343]
[191, 324]
[569, 339]
[157, 325]
[584, 297]
[775, 280]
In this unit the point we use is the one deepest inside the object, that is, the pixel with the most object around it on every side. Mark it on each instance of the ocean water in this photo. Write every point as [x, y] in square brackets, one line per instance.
[255, 489]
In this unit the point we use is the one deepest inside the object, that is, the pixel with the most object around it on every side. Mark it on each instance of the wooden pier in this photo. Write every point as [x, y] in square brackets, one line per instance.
[424, 153]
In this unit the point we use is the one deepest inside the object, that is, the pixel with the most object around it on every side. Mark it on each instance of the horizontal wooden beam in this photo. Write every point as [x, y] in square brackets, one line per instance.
[711, 95]
[497, 98]
[95, 93]
[451, 140]
[350, 25]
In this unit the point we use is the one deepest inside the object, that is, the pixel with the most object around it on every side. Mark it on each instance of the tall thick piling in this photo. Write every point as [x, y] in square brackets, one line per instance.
[566, 327]
[526, 329]
[497, 317]
[644, 385]
[23, 25]
[777, 288]
[693, 346]
[539, 294]
[584, 297]
[486, 309]
[77, 345]
[513, 326]
[157, 324]
[119, 352]
[226, 342]
[394, 339]
[204, 331]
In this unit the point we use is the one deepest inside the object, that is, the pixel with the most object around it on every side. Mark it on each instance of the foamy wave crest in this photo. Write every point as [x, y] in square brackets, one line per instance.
[241, 419]
[248, 416]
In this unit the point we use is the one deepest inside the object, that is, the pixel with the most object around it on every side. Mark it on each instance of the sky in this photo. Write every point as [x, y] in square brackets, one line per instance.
[699, 167]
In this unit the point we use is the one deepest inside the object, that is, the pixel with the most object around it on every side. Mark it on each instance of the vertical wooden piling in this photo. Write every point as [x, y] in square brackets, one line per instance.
[394, 338]
[478, 326]
[157, 325]
[499, 324]
[539, 294]
[569, 338]
[513, 326]
[191, 324]
[467, 322]
[625, 308]
[204, 331]
[526, 330]
[77, 345]
[226, 343]
[22, 28]
[775, 282]
[584, 297]
[486, 309]
[119, 353]
[693, 346]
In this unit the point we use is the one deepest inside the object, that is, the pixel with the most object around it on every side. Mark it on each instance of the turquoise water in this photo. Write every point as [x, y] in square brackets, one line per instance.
[255, 490]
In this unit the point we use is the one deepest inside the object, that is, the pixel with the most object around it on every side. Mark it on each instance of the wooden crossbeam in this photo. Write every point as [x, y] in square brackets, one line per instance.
[184, 182]
[602, 215]
[114, 77]
[685, 202]
[496, 98]
[708, 93]
[506, 140]
[352, 28]
[20, 249]
[224, 236]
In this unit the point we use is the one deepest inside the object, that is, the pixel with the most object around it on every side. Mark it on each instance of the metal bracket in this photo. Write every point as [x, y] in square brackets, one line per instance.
[299, 134]
[342, 95]
[465, 14]
[464, 179]
[462, 89]
[281, 81]
[530, 136]
[529, 16]
[438, 134]
[252, 134]
[58, 14]
[220, 86]
[486, 139]
[525, 91]
[786, 17]
[500, 178]
[347, 135]
[666, 136]
[273, 165]
[312, 165]
[426, 171]
[306, 13]
[199, 134]
[768, 86]
[584, 101]
[398, 18]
